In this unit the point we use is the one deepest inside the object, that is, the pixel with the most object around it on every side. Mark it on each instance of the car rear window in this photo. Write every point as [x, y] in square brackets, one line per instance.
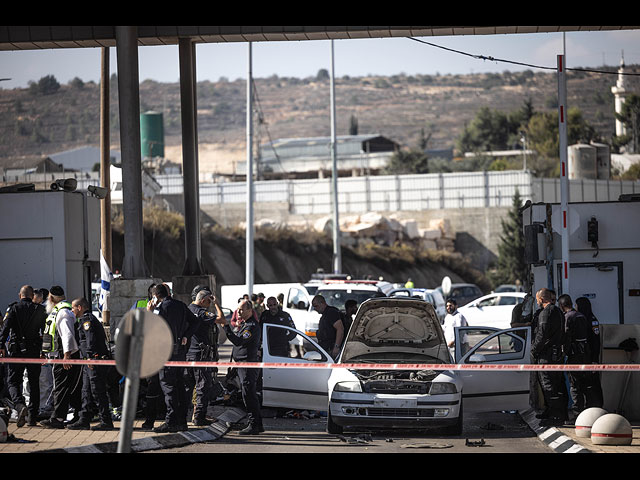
[336, 298]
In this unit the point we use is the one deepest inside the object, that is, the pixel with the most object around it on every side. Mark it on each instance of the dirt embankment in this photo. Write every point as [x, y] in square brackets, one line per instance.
[286, 256]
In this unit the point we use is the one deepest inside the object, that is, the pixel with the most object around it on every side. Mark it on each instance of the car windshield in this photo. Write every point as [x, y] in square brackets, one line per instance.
[336, 298]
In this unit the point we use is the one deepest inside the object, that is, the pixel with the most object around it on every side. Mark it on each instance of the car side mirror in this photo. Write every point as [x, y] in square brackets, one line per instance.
[477, 358]
[312, 356]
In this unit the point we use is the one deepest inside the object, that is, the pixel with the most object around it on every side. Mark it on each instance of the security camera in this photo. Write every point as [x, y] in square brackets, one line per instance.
[100, 192]
[68, 184]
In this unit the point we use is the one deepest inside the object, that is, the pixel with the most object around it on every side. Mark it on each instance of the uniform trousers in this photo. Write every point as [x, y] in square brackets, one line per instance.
[15, 373]
[249, 382]
[175, 395]
[94, 393]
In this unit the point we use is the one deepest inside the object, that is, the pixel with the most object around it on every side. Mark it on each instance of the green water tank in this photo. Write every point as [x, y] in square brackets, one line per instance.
[151, 134]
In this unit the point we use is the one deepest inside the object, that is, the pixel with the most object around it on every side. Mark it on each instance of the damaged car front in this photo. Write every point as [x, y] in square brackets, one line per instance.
[395, 331]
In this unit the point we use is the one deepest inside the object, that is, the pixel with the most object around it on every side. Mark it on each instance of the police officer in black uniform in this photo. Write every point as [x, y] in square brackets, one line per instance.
[595, 396]
[204, 348]
[93, 346]
[246, 346]
[279, 338]
[577, 350]
[547, 348]
[182, 324]
[22, 326]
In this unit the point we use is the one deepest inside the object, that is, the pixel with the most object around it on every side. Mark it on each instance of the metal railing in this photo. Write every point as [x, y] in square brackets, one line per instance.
[391, 192]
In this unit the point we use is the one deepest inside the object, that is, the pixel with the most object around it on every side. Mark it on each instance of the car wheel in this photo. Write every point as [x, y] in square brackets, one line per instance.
[333, 427]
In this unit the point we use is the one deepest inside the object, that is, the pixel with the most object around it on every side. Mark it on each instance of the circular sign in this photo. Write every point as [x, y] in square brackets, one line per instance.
[446, 286]
[157, 342]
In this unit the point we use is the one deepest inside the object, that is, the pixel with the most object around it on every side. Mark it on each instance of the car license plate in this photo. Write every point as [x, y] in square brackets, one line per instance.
[395, 402]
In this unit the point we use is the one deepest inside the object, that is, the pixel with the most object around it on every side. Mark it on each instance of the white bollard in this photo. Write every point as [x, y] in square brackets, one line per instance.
[611, 429]
[585, 420]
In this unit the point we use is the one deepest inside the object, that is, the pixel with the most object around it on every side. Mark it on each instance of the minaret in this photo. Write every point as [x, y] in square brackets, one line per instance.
[620, 93]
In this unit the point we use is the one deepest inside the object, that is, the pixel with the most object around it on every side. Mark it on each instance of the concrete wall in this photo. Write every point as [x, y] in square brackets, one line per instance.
[477, 230]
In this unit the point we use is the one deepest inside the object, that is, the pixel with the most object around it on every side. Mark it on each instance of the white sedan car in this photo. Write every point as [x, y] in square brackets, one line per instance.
[493, 310]
[398, 331]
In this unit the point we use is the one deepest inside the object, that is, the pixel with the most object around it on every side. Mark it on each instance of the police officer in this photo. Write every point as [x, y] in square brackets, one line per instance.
[278, 339]
[577, 351]
[93, 346]
[546, 348]
[595, 396]
[60, 341]
[203, 347]
[182, 324]
[246, 345]
[22, 325]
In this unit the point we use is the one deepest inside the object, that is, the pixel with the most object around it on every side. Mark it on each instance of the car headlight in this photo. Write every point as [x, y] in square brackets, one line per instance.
[348, 387]
[442, 388]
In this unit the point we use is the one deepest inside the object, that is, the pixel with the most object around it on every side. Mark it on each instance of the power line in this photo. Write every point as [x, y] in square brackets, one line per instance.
[493, 59]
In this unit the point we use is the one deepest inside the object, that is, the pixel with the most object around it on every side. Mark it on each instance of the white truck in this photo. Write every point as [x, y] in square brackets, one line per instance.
[297, 299]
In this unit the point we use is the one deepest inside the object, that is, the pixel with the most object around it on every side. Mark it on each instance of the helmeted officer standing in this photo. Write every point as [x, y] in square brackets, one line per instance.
[547, 348]
[204, 348]
[22, 325]
[182, 324]
[93, 346]
[246, 346]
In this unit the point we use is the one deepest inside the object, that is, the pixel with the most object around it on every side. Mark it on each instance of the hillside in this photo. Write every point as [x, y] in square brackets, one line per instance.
[288, 256]
[400, 107]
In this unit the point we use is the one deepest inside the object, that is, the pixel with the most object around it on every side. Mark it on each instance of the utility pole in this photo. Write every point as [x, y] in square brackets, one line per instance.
[105, 171]
[249, 236]
[337, 255]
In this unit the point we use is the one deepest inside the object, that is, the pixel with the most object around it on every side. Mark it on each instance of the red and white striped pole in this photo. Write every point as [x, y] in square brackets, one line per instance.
[564, 170]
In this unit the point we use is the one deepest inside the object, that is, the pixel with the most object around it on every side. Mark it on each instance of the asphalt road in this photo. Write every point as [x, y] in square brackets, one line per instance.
[483, 433]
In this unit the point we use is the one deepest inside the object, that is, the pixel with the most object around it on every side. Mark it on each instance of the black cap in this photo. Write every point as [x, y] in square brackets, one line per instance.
[57, 291]
[199, 288]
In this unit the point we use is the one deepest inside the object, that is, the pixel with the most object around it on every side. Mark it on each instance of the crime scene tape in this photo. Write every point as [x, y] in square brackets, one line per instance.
[617, 367]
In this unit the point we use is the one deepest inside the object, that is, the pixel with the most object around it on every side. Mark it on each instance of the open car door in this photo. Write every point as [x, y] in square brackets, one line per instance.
[297, 388]
[493, 390]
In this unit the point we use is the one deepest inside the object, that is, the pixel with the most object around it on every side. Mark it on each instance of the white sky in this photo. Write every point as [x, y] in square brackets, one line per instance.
[355, 58]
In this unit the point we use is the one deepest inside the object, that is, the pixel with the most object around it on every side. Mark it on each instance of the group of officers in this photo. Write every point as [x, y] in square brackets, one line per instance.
[68, 330]
[562, 333]
[59, 329]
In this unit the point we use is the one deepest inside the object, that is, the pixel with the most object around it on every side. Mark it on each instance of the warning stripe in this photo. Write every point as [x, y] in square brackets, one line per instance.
[354, 366]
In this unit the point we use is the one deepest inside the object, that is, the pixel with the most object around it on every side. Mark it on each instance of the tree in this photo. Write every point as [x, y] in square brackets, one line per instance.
[511, 266]
[630, 117]
[408, 161]
[45, 86]
[353, 125]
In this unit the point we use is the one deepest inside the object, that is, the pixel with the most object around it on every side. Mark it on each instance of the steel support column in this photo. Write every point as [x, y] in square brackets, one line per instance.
[133, 264]
[192, 265]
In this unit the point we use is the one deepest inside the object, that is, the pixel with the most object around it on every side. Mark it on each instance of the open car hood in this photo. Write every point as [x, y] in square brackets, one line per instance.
[395, 325]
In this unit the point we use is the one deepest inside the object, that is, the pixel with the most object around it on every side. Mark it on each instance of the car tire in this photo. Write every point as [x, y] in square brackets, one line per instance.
[333, 427]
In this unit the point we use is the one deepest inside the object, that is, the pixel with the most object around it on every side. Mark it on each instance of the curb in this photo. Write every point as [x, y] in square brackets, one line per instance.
[180, 439]
[551, 436]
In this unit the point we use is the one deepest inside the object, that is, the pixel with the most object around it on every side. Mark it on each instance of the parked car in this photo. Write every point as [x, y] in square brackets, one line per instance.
[508, 288]
[434, 297]
[493, 310]
[397, 330]
[463, 293]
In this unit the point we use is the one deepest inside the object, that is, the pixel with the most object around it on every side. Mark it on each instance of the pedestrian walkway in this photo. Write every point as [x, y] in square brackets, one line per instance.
[563, 439]
[40, 440]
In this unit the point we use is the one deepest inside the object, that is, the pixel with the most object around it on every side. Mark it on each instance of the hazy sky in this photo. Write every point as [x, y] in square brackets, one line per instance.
[356, 57]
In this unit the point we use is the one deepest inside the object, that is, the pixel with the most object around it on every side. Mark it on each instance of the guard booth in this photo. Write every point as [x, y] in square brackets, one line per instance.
[604, 266]
[49, 237]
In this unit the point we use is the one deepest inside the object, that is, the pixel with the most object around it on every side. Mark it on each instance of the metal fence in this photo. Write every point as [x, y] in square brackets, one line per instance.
[407, 192]
[399, 192]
